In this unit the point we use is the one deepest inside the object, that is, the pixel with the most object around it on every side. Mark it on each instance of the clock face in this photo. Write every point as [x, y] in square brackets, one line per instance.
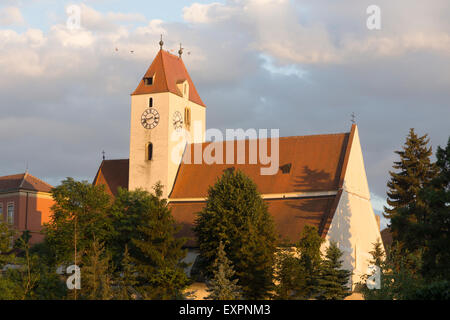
[150, 118]
[177, 121]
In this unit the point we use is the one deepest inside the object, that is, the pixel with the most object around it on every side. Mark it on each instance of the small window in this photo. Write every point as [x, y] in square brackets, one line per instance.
[187, 117]
[150, 102]
[150, 151]
[148, 81]
[286, 168]
[10, 213]
[1, 211]
[185, 89]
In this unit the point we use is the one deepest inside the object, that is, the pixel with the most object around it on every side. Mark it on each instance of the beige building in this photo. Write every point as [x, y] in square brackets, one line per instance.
[321, 180]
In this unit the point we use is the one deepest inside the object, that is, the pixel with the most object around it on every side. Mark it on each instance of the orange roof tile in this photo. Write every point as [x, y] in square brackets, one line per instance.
[168, 70]
[23, 181]
[316, 161]
[290, 216]
[113, 174]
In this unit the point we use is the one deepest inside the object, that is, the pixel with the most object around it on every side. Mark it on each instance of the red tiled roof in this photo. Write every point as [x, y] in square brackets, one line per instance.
[317, 162]
[23, 181]
[168, 70]
[289, 215]
[113, 174]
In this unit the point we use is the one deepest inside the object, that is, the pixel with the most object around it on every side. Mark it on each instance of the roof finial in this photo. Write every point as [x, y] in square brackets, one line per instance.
[26, 170]
[180, 52]
[161, 43]
[103, 152]
[353, 118]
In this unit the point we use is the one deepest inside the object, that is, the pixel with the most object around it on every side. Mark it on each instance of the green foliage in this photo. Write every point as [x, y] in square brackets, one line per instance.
[435, 228]
[415, 170]
[28, 276]
[236, 215]
[310, 262]
[298, 271]
[96, 273]
[222, 286]
[333, 281]
[80, 213]
[399, 275]
[6, 234]
[158, 253]
[126, 278]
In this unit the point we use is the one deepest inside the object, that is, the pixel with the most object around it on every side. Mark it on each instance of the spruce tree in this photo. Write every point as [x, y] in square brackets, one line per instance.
[310, 262]
[435, 227]
[126, 278]
[414, 171]
[96, 277]
[222, 286]
[333, 282]
[236, 214]
[159, 253]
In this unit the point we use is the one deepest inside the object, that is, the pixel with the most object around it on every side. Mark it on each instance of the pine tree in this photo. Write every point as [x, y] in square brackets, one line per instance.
[310, 262]
[126, 278]
[333, 281]
[96, 273]
[158, 253]
[236, 214]
[415, 170]
[435, 227]
[222, 286]
[289, 277]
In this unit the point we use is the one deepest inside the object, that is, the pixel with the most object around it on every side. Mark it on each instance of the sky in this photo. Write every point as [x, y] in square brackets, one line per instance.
[301, 66]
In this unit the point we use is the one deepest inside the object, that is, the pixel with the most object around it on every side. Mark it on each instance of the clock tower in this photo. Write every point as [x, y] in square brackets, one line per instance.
[164, 102]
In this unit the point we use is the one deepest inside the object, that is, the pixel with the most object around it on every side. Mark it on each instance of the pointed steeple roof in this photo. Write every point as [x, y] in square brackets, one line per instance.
[167, 70]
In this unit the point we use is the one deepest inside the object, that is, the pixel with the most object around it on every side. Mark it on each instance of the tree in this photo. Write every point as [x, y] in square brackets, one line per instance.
[415, 170]
[435, 228]
[29, 277]
[334, 280]
[96, 282]
[126, 278]
[236, 215]
[222, 286]
[289, 278]
[6, 235]
[79, 215]
[310, 262]
[158, 252]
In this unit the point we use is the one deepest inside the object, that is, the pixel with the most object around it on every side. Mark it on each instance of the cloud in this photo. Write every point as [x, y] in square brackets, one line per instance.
[11, 16]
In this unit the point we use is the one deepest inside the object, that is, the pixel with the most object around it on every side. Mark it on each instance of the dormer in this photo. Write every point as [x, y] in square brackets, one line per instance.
[149, 80]
[183, 87]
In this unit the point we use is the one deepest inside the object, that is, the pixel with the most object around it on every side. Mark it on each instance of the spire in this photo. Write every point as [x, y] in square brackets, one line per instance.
[180, 52]
[353, 117]
[161, 43]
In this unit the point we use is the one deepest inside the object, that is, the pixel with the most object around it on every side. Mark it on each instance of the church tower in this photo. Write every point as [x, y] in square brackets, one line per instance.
[164, 101]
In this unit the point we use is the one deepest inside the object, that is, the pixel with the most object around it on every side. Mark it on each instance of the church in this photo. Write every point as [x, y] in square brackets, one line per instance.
[320, 181]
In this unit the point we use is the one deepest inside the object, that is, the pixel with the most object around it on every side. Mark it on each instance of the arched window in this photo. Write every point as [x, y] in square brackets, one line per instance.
[187, 117]
[149, 151]
[150, 102]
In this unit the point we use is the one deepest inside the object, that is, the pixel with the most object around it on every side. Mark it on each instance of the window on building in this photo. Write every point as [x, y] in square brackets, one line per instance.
[148, 81]
[150, 102]
[1, 211]
[187, 117]
[185, 89]
[149, 151]
[10, 213]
